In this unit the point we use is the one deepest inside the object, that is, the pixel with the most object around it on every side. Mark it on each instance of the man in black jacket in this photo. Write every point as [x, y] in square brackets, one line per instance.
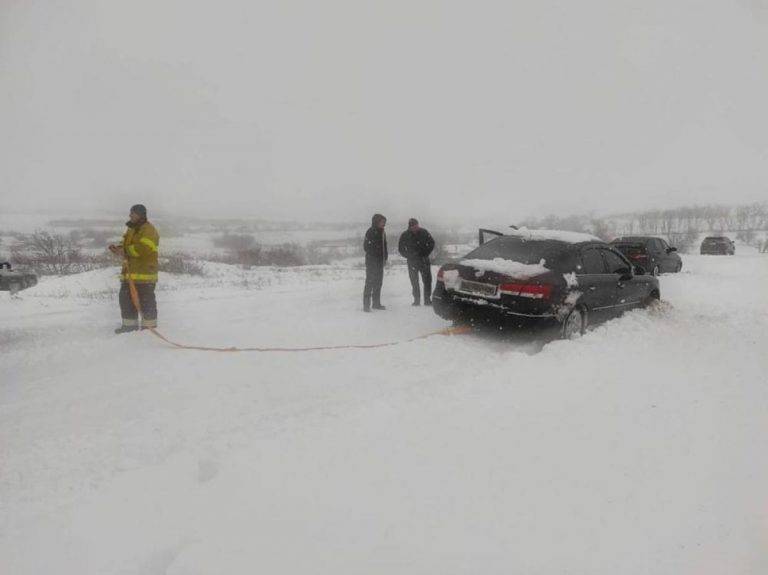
[376, 254]
[416, 244]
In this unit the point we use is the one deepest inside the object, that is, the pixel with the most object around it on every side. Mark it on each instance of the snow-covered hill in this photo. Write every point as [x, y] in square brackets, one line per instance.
[640, 448]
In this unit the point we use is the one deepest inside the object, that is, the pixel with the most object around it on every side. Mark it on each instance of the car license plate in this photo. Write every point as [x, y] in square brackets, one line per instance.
[477, 288]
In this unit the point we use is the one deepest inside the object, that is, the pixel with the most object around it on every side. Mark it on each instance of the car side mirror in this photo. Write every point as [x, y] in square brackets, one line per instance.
[625, 274]
[671, 249]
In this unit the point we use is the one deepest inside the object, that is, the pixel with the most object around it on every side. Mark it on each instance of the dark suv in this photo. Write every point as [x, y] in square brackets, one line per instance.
[654, 255]
[540, 279]
[718, 245]
[13, 280]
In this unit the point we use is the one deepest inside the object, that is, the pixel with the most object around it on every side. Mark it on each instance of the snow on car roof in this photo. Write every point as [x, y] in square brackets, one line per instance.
[557, 235]
[507, 267]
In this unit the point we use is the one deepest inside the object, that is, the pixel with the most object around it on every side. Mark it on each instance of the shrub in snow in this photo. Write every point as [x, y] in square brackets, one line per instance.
[179, 263]
[235, 242]
[55, 254]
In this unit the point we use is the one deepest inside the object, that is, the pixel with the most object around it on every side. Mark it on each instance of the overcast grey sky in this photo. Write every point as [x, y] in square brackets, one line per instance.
[334, 109]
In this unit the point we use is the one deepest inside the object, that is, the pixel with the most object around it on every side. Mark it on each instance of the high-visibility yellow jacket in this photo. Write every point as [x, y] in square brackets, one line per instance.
[140, 246]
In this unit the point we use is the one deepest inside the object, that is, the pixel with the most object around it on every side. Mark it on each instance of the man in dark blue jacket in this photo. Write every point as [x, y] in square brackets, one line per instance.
[376, 254]
[416, 244]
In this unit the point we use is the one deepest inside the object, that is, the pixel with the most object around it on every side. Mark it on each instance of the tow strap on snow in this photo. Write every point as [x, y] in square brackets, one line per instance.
[447, 331]
[137, 304]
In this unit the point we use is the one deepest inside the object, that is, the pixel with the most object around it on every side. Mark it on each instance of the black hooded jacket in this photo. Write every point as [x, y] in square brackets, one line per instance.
[375, 244]
[416, 245]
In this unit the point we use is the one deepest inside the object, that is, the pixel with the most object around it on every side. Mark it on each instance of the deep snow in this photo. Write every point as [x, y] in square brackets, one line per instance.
[640, 448]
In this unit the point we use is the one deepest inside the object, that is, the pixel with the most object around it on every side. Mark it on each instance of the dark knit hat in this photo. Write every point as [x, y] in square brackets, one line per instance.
[376, 219]
[139, 210]
[413, 222]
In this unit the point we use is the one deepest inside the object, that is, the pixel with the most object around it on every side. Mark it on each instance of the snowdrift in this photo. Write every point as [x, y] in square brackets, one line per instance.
[639, 448]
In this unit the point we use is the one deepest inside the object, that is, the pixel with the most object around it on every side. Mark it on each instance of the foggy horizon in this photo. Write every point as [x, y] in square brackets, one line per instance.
[331, 113]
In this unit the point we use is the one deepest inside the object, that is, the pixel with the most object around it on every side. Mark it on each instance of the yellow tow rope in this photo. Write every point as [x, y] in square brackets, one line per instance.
[447, 331]
[137, 304]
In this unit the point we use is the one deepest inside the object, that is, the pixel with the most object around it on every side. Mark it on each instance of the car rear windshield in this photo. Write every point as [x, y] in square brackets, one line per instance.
[555, 255]
[716, 240]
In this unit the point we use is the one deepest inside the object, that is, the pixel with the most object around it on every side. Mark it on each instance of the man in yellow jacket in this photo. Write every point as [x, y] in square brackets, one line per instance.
[139, 248]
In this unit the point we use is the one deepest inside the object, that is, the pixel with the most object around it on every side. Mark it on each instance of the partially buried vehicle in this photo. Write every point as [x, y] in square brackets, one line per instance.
[541, 279]
[13, 280]
[718, 246]
[652, 254]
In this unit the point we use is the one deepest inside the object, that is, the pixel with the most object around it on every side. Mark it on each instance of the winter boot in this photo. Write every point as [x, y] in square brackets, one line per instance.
[427, 300]
[126, 329]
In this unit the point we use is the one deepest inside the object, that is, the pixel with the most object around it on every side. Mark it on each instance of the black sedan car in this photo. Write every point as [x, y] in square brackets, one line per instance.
[542, 279]
[654, 255]
[13, 280]
[718, 246]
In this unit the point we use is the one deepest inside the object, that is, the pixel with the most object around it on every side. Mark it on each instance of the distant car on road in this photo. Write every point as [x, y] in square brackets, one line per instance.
[652, 254]
[541, 279]
[12, 280]
[718, 245]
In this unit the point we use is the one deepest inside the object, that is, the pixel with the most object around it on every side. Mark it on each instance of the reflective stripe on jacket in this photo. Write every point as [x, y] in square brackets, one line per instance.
[141, 248]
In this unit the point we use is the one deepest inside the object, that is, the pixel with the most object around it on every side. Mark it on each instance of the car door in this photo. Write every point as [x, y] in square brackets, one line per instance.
[481, 233]
[595, 284]
[654, 255]
[627, 293]
[668, 258]
[664, 259]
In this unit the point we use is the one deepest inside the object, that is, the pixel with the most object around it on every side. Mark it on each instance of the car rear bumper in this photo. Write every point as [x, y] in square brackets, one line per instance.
[21, 281]
[478, 311]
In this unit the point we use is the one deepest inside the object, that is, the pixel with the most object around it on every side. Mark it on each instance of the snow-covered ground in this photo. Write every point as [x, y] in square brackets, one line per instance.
[640, 448]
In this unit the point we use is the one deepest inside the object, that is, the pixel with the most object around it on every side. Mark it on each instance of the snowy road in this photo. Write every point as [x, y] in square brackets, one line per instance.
[640, 448]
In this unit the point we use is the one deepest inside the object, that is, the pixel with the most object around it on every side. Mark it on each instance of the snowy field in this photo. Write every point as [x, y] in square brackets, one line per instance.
[641, 448]
[193, 236]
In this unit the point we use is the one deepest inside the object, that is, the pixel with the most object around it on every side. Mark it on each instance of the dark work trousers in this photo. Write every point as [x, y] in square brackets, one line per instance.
[146, 300]
[421, 266]
[374, 277]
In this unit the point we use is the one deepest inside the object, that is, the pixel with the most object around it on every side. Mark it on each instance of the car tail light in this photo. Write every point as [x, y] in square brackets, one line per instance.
[638, 257]
[440, 274]
[533, 291]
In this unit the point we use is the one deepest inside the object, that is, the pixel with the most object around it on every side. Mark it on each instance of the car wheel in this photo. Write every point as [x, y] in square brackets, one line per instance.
[575, 324]
[652, 300]
[679, 267]
[655, 271]
[15, 287]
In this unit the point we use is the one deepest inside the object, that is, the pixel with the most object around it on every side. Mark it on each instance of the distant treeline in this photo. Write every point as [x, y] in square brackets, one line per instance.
[682, 226]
